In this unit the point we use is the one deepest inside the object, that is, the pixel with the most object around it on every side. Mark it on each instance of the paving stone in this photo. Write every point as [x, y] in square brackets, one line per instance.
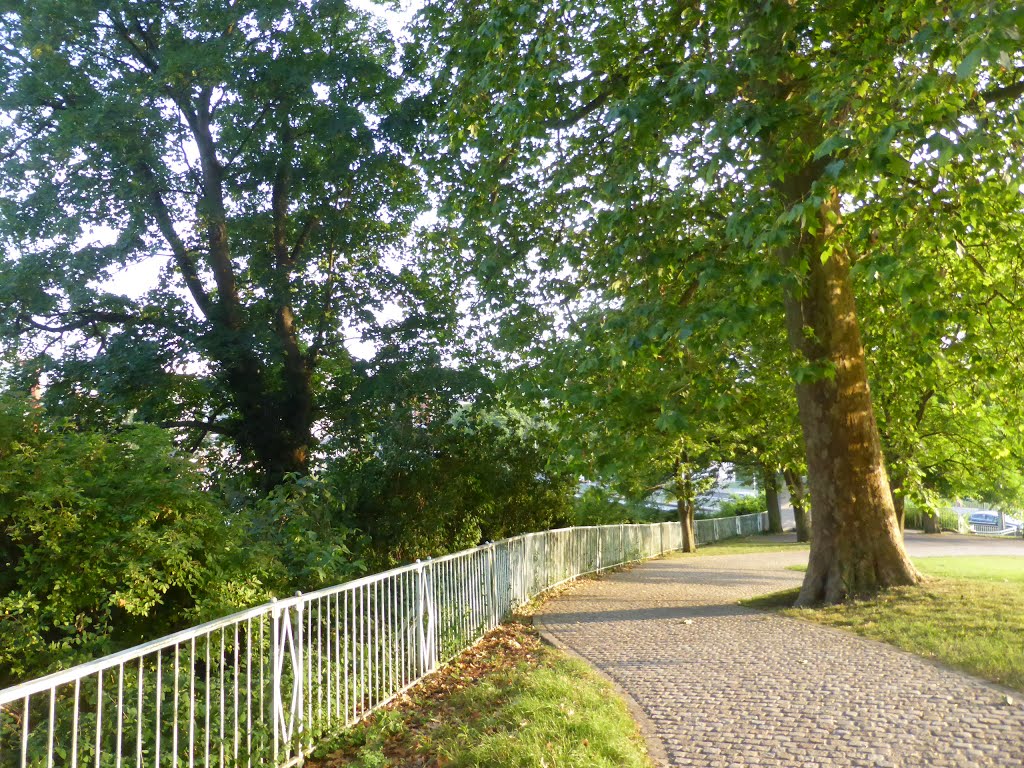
[722, 685]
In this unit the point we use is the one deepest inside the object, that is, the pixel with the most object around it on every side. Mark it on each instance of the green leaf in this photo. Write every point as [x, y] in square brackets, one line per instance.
[970, 62]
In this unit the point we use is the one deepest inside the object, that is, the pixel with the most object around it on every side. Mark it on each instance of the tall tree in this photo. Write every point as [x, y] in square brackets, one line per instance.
[253, 152]
[740, 140]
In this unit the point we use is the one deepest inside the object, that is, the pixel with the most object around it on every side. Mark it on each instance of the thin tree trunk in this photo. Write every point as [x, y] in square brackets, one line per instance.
[685, 505]
[771, 493]
[797, 497]
[899, 504]
[931, 523]
[685, 510]
[856, 545]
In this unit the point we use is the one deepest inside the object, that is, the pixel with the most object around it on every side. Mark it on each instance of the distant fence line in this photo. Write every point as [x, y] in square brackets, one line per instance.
[262, 686]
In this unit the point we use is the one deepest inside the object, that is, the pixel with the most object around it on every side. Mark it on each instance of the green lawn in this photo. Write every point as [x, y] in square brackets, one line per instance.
[999, 569]
[743, 546]
[509, 701]
[969, 614]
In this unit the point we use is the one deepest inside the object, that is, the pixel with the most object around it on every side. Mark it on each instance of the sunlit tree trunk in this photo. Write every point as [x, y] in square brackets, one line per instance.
[686, 520]
[856, 544]
[686, 503]
[899, 503]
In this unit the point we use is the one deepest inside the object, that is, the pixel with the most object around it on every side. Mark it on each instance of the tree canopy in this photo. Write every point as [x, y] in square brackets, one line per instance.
[603, 150]
[255, 155]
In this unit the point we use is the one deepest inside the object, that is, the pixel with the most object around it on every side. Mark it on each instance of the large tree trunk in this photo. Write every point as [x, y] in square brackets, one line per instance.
[797, 497]
[856, 545]
[771, 493]
[274, 431]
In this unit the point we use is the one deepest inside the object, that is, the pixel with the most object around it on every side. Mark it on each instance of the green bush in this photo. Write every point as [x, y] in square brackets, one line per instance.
[298, 538]
[424, 489]
[104, 539]
[596, 506]
[742, 505]
[108, 539]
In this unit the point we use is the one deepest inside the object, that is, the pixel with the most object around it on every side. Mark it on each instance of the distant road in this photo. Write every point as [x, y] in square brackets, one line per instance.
[932, 545]
[946, 544]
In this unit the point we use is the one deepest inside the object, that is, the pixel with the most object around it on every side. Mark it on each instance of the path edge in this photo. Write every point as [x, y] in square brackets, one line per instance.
[655, 746]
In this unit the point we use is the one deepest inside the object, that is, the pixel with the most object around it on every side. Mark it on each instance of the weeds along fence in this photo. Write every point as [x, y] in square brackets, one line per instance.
[262, 686]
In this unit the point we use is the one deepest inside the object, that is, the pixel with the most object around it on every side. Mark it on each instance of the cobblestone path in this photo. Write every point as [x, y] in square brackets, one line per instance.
[721, 686]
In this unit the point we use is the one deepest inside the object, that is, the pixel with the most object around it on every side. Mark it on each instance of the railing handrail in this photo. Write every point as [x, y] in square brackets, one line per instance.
[395, 626]
[61, 677]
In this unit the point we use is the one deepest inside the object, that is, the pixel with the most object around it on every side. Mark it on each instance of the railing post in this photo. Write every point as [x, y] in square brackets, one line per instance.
[547, 559]
[421, 636]
[493, 593]
[426, 617]
[300, 675]
[275, 655]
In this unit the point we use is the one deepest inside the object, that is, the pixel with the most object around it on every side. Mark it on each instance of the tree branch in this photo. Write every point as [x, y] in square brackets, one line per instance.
[252, 129]
[182, 258]
[922, 403]
[142, 55]
[300, 241]
[1005, 92]
[574, 116]
[84, 318]
[211, 209]
[214, 427]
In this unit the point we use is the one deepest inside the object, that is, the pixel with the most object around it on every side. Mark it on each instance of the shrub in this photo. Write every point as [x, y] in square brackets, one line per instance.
[424, 489]
[742, 505]
[104, 539]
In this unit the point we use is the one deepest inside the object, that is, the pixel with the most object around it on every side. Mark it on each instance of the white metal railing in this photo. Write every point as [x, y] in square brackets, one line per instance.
[263, 685]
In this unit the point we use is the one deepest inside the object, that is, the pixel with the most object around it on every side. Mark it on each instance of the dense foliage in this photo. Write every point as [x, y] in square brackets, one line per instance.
[675, 190]
[742, 505]
[105, 538]
[252, 156]
[442, 486]
[111, 537]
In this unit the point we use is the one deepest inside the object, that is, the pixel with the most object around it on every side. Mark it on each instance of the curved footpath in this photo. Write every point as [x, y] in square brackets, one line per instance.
[721, 686]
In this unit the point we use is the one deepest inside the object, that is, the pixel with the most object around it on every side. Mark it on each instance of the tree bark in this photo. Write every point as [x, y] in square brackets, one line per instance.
[797, 497]
[685, 510]
[275, 429]
[856, 545]
[931, 523]
[899, 504]
[771, 493]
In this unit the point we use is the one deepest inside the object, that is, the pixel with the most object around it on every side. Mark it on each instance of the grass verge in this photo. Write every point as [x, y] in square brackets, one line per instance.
[745, 546]
[968, 614]
[508, 701]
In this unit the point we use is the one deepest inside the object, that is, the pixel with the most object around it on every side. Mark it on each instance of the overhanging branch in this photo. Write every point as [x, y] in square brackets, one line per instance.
[207, 427]
[1005, 92]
